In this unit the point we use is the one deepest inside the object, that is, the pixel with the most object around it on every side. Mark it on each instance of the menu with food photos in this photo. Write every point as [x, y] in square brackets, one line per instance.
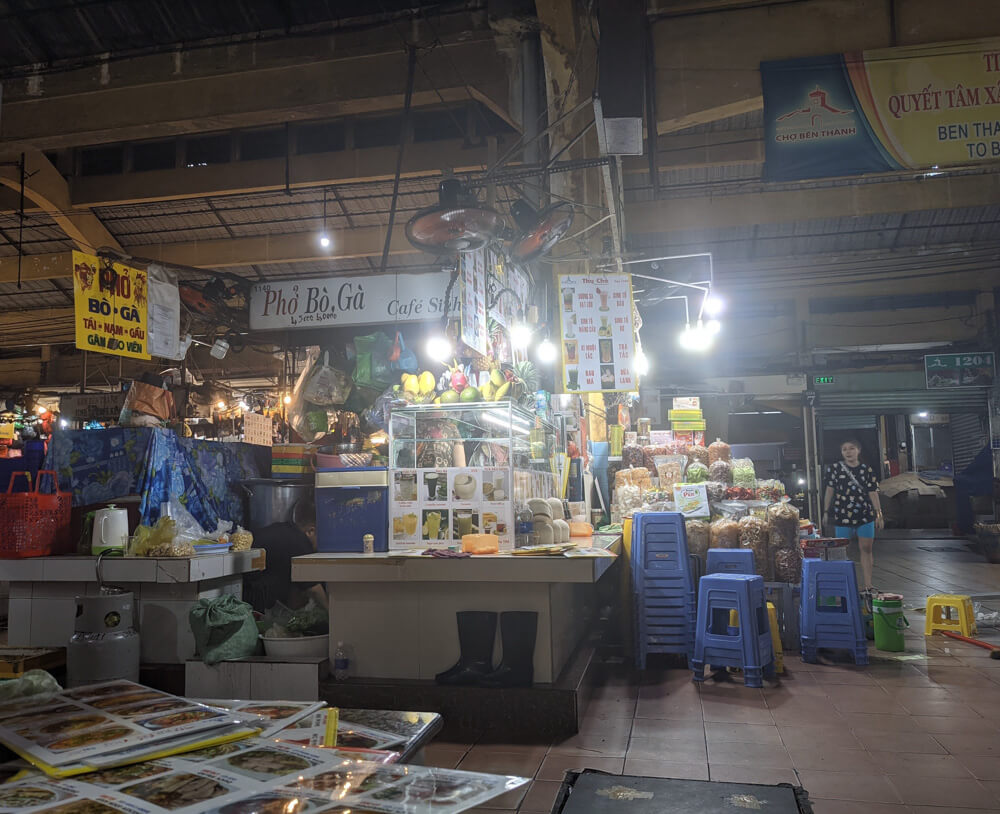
[597, 333]
[74, 726]
[269, 716]
[257, 777]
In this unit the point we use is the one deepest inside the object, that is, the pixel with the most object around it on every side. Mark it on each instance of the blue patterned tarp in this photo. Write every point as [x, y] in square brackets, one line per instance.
[103, 465]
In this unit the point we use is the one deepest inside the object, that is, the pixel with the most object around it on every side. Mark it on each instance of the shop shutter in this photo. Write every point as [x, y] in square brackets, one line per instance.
[968, 437]
[838, 421]
[960, 400]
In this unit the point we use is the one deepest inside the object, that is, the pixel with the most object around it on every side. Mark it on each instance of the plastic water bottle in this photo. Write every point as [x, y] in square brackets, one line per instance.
[341, 664]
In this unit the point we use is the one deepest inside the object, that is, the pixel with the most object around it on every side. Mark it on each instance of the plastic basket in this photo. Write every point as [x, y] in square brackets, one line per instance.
[34, 523]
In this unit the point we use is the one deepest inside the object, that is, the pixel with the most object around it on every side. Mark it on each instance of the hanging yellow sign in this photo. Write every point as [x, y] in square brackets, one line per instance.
[110, 301]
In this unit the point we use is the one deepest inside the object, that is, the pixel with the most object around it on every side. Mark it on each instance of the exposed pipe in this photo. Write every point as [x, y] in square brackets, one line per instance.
[411, 70]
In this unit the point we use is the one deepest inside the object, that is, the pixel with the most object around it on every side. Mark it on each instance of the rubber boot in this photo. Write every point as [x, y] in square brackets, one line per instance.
[476, 632]
[517, 666]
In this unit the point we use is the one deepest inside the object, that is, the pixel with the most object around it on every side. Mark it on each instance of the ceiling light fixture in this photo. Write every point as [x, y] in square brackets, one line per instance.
[324, 236]
[439, 348]
[221, 404]
[287, 399]
[520, 335]
[641, 363]
[697, 338]
[547, 351]
[713, 305]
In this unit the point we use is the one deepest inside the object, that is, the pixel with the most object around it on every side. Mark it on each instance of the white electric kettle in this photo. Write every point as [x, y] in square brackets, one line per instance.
[110, 531]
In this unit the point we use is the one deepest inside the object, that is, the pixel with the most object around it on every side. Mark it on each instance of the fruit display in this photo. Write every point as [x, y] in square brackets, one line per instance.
[416, 389]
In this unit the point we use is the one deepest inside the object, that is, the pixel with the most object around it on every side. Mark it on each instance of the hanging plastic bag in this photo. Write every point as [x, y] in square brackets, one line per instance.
[372, 367]
[401, 357]
[326, 386]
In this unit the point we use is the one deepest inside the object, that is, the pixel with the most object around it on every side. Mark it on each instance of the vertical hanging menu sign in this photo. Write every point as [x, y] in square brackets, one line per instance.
[473, 270]
[598, 335]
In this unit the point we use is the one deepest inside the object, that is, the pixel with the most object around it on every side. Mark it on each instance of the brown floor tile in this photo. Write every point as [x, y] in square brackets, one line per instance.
[942, 791]
[950, 709]
[441, 756]
[852, 807]
[611, 708]
[743, 754]
[834, 760]
[752, 774]
[763, 734]
[670, 707]
[954, 676]
[883, 723]
[508, 800]
[846, 786]
[842, 676]
[642, 767]
[674, 750]
[501, 763]
[959, 725]
[910, 697]
[949, 810]
[538, 751]
[970, 744]
[667, 728]
[982, 767]
[736, 713]
[554, 766]
[884, 741]
[905, 763]
[614, 745]
[808, 737]
[871, 706]
[540, 797]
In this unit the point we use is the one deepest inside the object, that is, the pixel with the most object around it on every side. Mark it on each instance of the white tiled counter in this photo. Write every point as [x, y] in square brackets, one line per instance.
[43, 593]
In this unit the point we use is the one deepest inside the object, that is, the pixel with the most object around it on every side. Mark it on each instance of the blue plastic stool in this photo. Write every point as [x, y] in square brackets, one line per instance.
[830, 614]
[730, 561]
[748, 646]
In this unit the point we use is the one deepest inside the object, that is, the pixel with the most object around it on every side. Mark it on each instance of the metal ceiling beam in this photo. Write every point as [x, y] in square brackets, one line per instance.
[794, 205]
[245, 85]
[49, 190]
[268, 175]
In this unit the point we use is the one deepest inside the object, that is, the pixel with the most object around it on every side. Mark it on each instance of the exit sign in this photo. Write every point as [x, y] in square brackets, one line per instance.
[823, 379]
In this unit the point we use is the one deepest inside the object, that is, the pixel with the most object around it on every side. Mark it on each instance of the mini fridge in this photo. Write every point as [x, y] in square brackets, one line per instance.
[351, 503]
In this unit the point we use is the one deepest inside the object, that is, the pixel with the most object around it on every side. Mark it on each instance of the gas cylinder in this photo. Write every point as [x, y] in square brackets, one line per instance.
[105, 644]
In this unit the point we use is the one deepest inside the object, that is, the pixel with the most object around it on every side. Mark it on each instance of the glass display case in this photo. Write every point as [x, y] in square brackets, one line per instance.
[463, 468]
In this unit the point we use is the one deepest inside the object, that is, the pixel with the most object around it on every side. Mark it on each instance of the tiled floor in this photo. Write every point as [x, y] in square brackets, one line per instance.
[905, 735]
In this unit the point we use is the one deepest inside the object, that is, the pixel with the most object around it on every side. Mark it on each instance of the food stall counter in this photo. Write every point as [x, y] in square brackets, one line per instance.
[396, 611]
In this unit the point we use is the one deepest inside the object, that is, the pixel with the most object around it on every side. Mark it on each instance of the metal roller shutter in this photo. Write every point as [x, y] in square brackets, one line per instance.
[903, 401]
[844, 421]
[968, 437]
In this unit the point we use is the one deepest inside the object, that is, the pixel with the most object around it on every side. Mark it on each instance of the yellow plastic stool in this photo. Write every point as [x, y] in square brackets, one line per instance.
[772, 619]
[939, 614]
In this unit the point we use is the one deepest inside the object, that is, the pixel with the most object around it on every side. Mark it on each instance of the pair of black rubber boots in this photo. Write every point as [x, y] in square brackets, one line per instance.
[476, 632]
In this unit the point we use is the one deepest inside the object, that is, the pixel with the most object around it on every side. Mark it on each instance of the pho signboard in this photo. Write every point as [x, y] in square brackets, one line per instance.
[947, 370]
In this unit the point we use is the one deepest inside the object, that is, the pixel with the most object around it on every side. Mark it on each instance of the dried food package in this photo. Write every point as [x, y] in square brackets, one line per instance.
[770, 490]
[697, 537]
[721, 471]
[698, 453]
[636, 476]
[753, 535]
[783, 525]
[649, 455]
[628, 498]
[716, 491]
[670, 470]
[724, 533]
[632, 456]
[788, 565]
[696, 472]
[744, 475]
[719, 450]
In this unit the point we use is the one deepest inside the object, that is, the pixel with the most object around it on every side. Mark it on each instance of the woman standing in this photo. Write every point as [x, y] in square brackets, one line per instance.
[852, 494]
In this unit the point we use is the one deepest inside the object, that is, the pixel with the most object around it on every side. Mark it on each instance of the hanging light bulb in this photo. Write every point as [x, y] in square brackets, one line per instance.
[641, 363]
[547, 351]
[713, 305]
[40, 409]
[287, 399]
[221, 404]
[438, 348]
[324, 236]
[520, 336]
[244, 406]
[713, 326]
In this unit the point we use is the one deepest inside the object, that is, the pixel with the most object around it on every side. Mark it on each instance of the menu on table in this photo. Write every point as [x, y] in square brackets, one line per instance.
[597, 332]
[257, 777]
[78, 725]
[269, 716]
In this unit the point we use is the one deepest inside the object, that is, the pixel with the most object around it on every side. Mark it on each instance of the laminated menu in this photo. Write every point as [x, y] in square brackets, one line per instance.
[270, 716]
[100, 721]
[257, 777]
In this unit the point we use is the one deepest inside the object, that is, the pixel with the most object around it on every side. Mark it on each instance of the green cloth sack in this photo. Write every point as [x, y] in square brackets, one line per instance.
[224, 629]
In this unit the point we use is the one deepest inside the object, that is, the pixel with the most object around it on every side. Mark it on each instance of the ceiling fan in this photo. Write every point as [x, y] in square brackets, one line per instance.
[459, 223]
[540, 231]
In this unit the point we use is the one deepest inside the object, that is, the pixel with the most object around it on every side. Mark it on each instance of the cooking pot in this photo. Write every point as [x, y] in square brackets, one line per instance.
[270, 500]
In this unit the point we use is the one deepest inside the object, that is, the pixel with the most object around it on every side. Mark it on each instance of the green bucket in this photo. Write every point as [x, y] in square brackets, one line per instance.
[887, 612]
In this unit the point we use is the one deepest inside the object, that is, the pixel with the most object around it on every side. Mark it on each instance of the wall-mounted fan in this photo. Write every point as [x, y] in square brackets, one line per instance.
[459, 223]
[540, 231]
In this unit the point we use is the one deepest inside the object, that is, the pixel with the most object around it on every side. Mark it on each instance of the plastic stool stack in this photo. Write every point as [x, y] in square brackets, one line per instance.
[830, 615]
[729, 561]
[939, 616]
[718, 644]
[663, 585]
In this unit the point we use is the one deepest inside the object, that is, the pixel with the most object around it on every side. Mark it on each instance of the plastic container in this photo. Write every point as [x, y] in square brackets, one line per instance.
[297, 646]
[887, 611]
[326, 459]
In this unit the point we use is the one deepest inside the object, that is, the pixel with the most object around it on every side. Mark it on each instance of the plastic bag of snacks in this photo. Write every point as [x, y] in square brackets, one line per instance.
[716, 491]
[632, 455]
[696, 472]
[743, 474]
[788, 565]
[783, 525]
[770, 490]
[628, 498]
[724, 533]
[649, 456]
[638, 476]
[698, 453]
[719, 450]
[721, 471]
[670, 469]
[753, 535]
[698, 537]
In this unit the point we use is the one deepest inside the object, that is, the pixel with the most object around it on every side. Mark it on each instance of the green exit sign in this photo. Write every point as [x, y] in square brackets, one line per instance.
[823, 379]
